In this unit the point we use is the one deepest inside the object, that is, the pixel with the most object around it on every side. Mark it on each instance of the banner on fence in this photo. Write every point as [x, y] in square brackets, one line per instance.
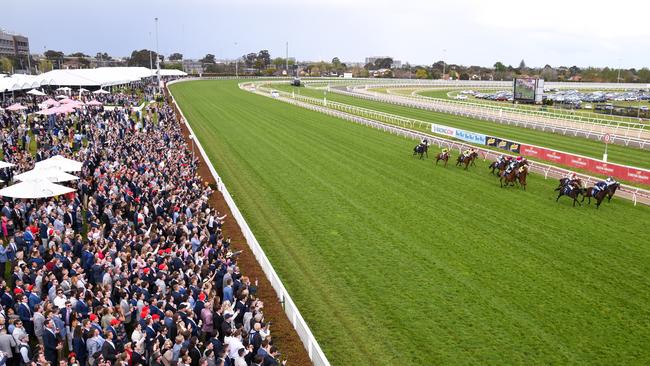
[502, 144]
[443, 130]
[475, 138]
[587, 164]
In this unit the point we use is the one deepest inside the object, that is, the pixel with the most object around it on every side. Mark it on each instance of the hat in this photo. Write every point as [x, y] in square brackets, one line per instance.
[168, 250]
[18, 290]
[146, 270]
[115, 321]
[155, 316]
[30, 287]
[202, 296]
[92, 317]
[162, 267]
[160, 252]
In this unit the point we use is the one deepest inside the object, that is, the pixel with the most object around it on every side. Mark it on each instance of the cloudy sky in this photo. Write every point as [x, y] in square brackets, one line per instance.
[556, 32]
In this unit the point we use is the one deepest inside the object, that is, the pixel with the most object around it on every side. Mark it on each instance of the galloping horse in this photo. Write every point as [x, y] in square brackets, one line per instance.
[611, 189]
[522, 173]
[508, 178]
[444, 157]
[498, 166]
[421, 149]
[599, 195]
[570, 191]
[466, 160]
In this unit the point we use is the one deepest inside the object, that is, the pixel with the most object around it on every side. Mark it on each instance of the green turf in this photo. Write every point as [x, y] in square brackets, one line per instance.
[577, 145]
[395, 262]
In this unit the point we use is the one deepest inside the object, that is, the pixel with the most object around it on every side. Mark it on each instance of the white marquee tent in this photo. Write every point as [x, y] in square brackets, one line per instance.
[99, 77]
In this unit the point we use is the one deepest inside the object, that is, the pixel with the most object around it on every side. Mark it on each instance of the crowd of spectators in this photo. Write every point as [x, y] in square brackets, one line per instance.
[131, 269]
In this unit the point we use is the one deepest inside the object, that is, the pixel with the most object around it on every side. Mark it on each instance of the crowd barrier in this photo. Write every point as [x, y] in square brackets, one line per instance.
[291, 310]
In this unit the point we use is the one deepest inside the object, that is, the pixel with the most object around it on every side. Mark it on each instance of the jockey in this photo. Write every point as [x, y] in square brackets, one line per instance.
[425, 142]
[609, 181]
[445, 151]
[511, 166]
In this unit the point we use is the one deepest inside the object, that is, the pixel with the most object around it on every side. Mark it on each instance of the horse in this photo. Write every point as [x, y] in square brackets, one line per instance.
[498, 166]
[565, 181]
[522, 173]
[570, 191]
[508, 177]
[466, 160]
[421, 149]
[611, 189]
[599, 195]
[444, 157]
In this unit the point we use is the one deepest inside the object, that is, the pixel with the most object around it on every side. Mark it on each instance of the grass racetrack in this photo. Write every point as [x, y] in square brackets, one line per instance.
[393, 261]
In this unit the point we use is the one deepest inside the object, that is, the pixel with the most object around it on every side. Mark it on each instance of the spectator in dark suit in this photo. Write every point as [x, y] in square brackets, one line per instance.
[50, 342]
[109, 351]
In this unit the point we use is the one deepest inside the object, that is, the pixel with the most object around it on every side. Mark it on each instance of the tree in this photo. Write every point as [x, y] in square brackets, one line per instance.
[175, 57]
[6, 65]
[464, 76]
[249, 59]
[500, 67]
[336, 62]
[522, 65]
[78, 54]
[45, 65]
[103, 56]
[383, 63]
[142, 58]
[53, 55]
[208, 59]
[263, 59]
[421, 74]
[172, 65]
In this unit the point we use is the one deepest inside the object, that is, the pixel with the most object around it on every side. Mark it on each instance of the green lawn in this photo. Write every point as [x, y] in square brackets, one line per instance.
[577, 145]
[395, 262]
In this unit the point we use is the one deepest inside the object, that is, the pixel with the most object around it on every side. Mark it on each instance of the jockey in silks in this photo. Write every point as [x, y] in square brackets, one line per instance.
[571, 179]
[500, 159]
[610, 181]
[511, 166]
[603, 185]
[424, 142]
[445, 152]
[466, 154]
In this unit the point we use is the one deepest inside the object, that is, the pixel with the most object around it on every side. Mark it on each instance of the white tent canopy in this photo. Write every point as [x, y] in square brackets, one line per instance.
[36, 92]
[40, 188]
[4, 164]
[61, 162]
[51, 173]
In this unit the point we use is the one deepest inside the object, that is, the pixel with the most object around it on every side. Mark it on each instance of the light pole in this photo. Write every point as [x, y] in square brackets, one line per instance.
[236, 63]
[157, 53]
[618, 78]
[150, 54]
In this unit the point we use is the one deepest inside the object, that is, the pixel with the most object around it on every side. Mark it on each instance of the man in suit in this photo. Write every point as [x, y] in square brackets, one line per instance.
[109, 351]
[67, 315]
[25, 314]
[7, 345]
[50, 342]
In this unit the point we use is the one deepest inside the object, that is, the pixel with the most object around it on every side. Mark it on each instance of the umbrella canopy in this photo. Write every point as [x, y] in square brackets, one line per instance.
[65, 100]
[36, 92]
[16, 107]
[94, 102]
[39, 188]
[61, 97]
[51, 173]
[63, 88]
[4, 164]
[51, 102]
[65, 164]
[64, 109]
[82, 90]
[101, 91]
[47, 112]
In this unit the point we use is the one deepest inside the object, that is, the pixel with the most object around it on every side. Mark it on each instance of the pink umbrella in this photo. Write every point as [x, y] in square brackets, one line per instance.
[65, 101]
[16, 107]
[94, 102]
[51, 102]
[47, 112]
[64, 109]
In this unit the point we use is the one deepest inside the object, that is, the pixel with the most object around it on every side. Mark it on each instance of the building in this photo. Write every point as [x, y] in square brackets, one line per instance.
[395, 65]
[13, 44]
[193, 66]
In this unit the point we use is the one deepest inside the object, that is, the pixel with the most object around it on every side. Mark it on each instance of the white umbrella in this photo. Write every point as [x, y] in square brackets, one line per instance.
[101, 91]
[36, 92]
[65, 164]
[63, 88]
[40, 188]
[4, 164]
[50, 173]
[82, 90]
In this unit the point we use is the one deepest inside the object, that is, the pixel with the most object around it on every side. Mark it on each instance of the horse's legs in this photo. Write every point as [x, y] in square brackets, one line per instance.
[558, 197]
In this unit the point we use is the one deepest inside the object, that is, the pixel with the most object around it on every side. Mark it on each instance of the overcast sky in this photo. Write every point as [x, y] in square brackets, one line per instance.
[469, 32]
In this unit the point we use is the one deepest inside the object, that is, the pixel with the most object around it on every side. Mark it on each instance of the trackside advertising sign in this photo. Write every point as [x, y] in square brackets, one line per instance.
[468, 136]
[502, 144]
[588, 164]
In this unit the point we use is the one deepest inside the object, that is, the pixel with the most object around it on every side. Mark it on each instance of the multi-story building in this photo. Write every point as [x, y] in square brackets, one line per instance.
[13, 44]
